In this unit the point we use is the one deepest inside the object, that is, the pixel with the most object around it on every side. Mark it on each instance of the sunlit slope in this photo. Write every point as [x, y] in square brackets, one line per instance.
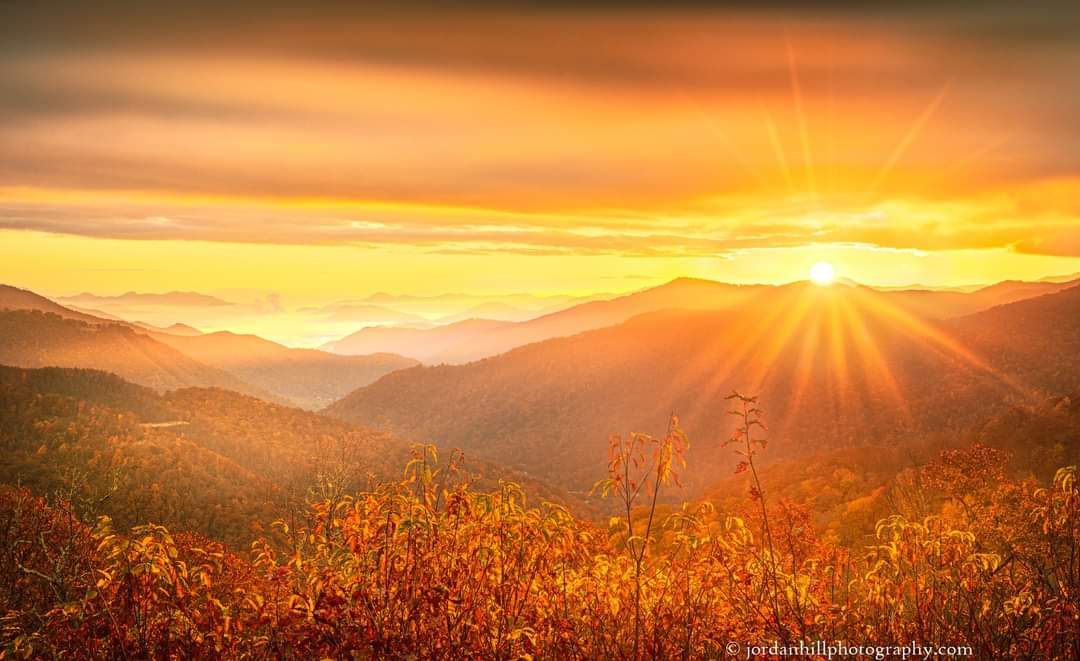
[306, 377]
[83, 433]
[429, 345]
[835, 366]
[475, 339]
[942, 304]
[246, 363]
[847, 490]
[39, 339]
[204, 459]
[13, 298]
[293, 446]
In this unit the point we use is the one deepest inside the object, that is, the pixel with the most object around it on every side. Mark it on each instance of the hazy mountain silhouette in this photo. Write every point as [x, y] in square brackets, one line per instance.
[1061, 278]
[477, 339]
[185, 356]
[482, 340]
[367, 313]
[174, 329]
[455, 302]
[462, 338]
[31, 338]
[834, 366]
[13, 298]
[307, 377]
[180, 298]
[494, 311]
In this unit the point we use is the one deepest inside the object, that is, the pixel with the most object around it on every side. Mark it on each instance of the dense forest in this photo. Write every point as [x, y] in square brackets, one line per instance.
[199, 459]
[841, 369]
[539, 331]
[934, 513]
[973, 562]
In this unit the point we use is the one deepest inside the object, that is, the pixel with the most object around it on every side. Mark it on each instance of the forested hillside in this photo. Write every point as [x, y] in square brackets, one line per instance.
[974, 563]
[245, 363]
[305, 377]
[846, 491]
[201, 459]
[475, 339]
[40, 339]
[14, 298]
[841, 367]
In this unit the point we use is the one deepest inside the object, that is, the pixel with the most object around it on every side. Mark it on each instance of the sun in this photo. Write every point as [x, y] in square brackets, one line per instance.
[822, 273]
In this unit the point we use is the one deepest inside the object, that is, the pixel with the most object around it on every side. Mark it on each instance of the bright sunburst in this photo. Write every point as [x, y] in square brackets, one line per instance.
[822, 273]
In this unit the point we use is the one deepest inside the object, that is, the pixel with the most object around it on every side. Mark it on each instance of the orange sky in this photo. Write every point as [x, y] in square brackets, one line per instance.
[345, 151]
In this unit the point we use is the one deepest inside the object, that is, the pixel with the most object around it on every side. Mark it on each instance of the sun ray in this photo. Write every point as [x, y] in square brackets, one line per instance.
[838, 338]
[974, 156]
[906, 142]
[800, 118]
[938, 340]
[804, 366]
[871, 357]
[849, 383]
[716, 363]
[736, 358]
[722, 138]
[708, 365]
[764, 357]
[723, 358]
[830, 128]
[778, 150]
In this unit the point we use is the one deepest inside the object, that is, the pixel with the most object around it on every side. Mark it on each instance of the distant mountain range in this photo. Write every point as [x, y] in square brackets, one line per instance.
[837, 368]
[174, 329]
[307, 377]
[453, 303]
[180, 355]
[31, 338]
[428, 345]
[469, 341]
[834, 367]
[37, 332]
[1061, 278]
[182, 298]
[494, 311]
[460, 342]
[13, 298]
[365, 313]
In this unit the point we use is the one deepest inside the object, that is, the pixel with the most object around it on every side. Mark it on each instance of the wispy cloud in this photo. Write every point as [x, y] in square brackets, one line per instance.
[681, 133]
[1013, 220]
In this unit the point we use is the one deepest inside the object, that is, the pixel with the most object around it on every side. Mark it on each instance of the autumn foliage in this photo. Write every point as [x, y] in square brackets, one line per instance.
[428, 566]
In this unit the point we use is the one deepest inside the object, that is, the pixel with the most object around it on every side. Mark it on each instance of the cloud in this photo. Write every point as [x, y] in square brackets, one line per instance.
[1060, 243]
[1006, 220]
[489, 105]
[540, 130]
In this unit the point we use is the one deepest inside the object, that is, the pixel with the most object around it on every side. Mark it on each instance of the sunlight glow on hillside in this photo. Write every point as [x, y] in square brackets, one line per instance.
[563, 330]
[834, 340]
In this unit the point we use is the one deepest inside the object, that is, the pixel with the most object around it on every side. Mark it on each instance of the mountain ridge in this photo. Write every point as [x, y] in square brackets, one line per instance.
[855, 366]
[307, 377]
[678, 293]
[32, 338]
